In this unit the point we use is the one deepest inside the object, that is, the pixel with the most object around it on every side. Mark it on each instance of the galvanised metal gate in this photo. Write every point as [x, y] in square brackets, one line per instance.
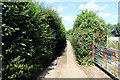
[108, 59]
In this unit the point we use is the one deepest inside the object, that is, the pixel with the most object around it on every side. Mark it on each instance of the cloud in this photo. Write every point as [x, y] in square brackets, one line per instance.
[103, 7]
[75, 0]
[59, 9]
[69, 18]
[91, 6]
[103, 15]
[48, 1]
[115, 17]
[60, 15]
[51, 1]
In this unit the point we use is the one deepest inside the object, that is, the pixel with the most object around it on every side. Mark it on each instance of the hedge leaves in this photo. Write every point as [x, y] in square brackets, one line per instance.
[32, 35]
[87, 24]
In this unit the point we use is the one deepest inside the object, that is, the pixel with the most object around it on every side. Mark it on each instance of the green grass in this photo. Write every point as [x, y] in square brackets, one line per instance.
[69, 37]
[114, 45]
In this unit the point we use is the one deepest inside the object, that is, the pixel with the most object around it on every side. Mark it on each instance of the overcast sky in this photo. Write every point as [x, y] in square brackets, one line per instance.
[68, 10]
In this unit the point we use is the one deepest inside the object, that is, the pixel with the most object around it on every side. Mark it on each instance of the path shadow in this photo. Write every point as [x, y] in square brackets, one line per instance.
[45, 71]
[60, 53]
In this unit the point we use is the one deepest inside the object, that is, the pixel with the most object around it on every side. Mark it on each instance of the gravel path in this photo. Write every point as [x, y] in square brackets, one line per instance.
[65, 66]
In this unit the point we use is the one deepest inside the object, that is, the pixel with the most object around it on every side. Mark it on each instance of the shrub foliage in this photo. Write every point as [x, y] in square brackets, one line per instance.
[87, 24]
[31, 34]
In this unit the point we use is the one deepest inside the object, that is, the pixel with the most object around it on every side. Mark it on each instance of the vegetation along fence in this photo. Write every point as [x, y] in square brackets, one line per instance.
[107, 58]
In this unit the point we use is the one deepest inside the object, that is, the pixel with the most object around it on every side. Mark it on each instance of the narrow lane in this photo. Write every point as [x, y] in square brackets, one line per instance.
[65, 66]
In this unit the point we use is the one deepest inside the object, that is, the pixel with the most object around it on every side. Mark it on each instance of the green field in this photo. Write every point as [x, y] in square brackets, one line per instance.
[114, 45]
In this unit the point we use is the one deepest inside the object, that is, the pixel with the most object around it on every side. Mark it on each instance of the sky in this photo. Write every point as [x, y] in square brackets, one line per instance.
[69, 9]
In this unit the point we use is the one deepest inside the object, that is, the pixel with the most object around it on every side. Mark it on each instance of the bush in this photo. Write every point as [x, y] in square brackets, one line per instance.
[31, 35]
[87, 24]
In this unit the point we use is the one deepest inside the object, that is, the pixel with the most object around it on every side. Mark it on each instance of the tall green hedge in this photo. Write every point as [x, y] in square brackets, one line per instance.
[32, 35]
[87, 24]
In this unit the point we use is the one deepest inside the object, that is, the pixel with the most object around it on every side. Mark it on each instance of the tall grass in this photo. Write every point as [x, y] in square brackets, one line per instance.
[114, 45]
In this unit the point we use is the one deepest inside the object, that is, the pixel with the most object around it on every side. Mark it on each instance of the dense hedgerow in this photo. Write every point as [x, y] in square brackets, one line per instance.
[87, 24]
[31, 35]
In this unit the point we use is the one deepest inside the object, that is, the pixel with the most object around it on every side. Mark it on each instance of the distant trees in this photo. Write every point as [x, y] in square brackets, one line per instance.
[69, 32]
[114, 29]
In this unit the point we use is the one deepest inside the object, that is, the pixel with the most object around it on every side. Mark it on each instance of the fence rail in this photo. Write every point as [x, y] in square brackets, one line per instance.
[107, 58]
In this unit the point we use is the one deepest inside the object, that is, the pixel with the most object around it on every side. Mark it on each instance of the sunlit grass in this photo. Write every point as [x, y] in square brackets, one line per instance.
[69, 37]
[113, 45]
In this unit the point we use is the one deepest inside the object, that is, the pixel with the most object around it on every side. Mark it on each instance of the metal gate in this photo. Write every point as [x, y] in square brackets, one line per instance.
[108, 59]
